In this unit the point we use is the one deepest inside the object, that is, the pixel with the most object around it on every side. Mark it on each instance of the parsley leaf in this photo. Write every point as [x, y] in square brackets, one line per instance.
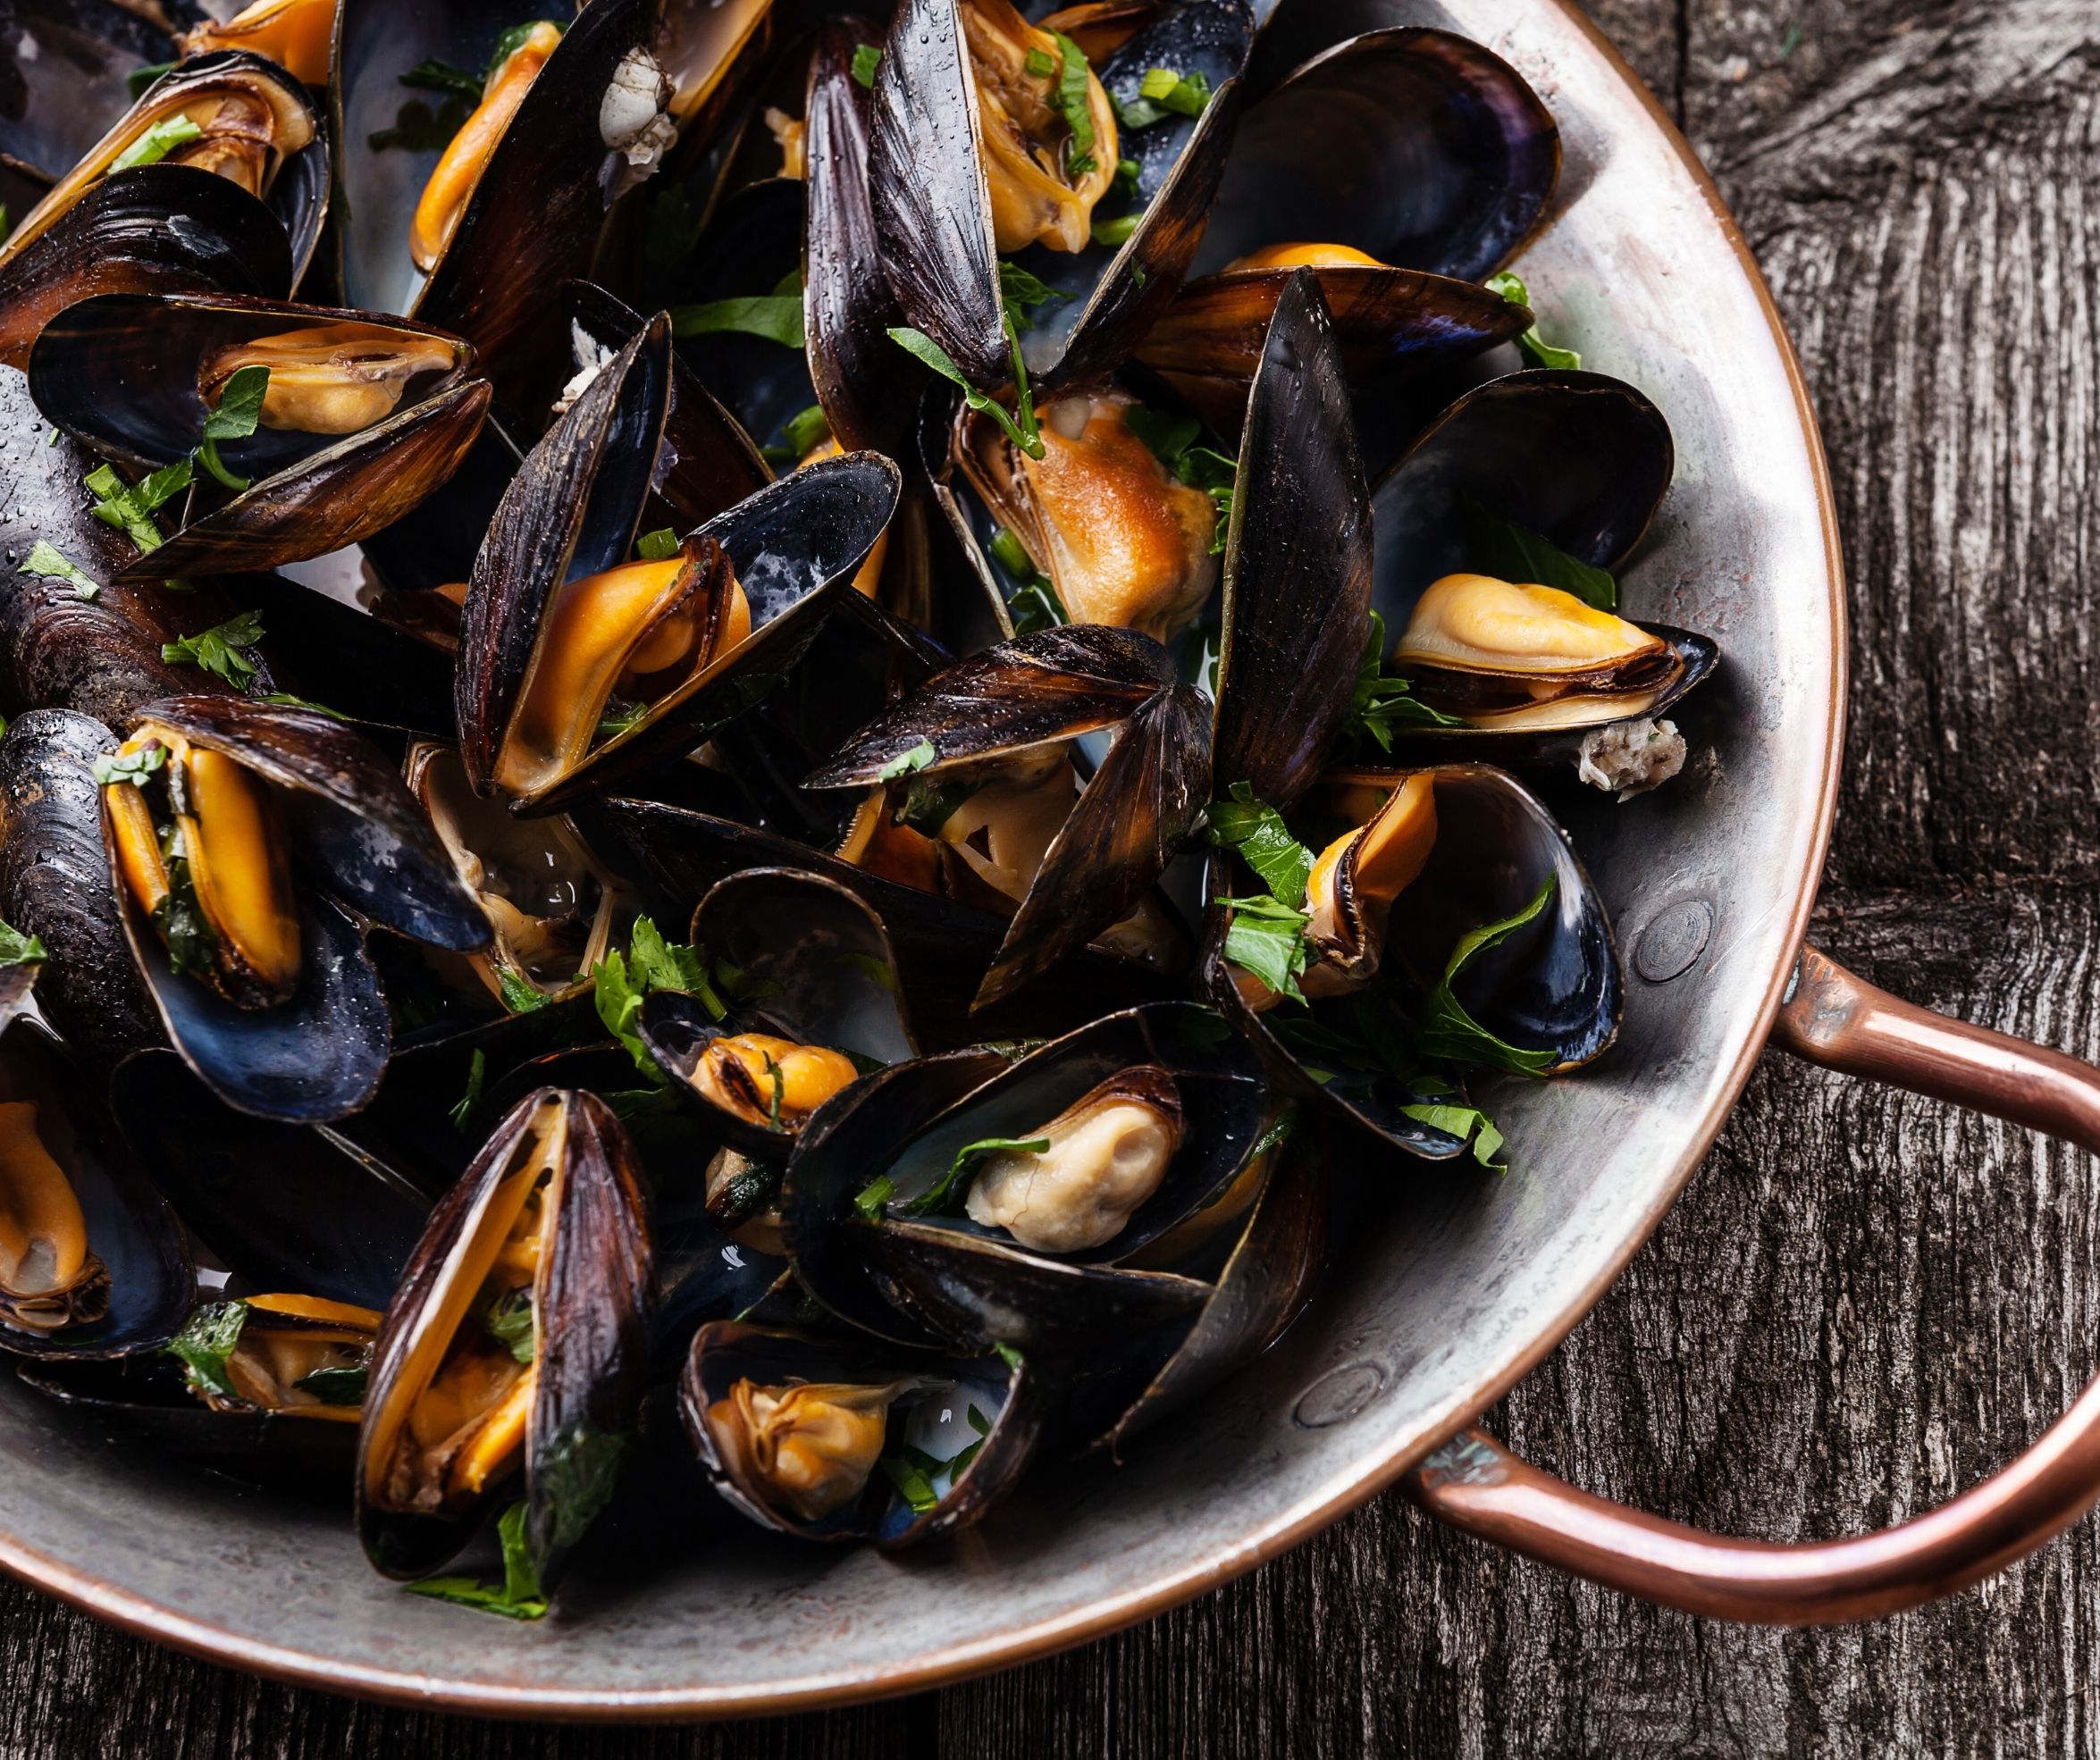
[1033, 603]
[1164, 92]
[1449, 1031]
[239, 409]
[1470, 1124]
[1258, 832]
[432, 75]
[53, 565]
[520, 994]
[658, 546]
[872, 1196]
[157, 142]
[207, 1338]
[620, 982]
[130, 506]
[1510, 552]
[1115, 232]
[805, 431]
[1532, 344]
[1172, 441]
[508, 1321]
[16, 949]
[946, 1193]
[1022, 292]
[911, 1483]
[1071, 99]
[218, 651]
[1379, 702]
[140, 80]
[1024, 432]
[1267, 937]
[917, 758]
[867, 58]
[776, 317]
[285, 699]
[517, 1596]
[477, 1071]
[130, 767]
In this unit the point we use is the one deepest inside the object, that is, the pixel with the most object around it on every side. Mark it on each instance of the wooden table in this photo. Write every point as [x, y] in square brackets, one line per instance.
[1863, 1301]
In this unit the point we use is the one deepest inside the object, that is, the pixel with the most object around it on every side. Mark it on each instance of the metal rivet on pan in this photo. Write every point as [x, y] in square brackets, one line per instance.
[1339, 1395]
[1673, 940]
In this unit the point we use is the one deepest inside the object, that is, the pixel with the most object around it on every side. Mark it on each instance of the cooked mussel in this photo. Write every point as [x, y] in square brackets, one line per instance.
[576, 662]
[1122, 1133]
[1448, 926]
[989, 137]
[1122, 540]
[212, 808]
[1515, 471]
[288, 1355]
[360, 418]
[838, 1438]
[1412, 148]
[92, 1263]
[234, 115]
[298, 35]
[814, 998]
[1009, 822]
[516, 1343]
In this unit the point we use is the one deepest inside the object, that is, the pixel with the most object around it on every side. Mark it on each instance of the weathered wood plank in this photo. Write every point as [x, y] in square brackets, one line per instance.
[1863, 1301]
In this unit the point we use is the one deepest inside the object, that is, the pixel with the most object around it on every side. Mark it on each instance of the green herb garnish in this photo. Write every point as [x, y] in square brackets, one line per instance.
[1258, 832]
[620, 981]
[1380, 701]
[508, 1321]
[867, 58]
[477, 1070]
[1449, 1031]
[53, 565]
[872, 1196]
[1510, 552]
[1532, 344]
[1164, 92]
[905, 762]
[1023, 431]
[1022, 292]
[207, 1338]
[1070, 101]
[157, 142]
[776, 317]
[805, 431]
[140, 80]
[238, 410]
[130, 506]
[130, 767]
[1267, 937]
[218, 651]
[1041, 63]
[516, 1597]
[16, 949]
[343, 1385]
[520, 995]
[947, 1192]
[659, 546]
[193, 944]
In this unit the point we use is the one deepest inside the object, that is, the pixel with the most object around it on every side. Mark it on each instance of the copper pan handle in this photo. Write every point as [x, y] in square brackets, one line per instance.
[1828, 1016]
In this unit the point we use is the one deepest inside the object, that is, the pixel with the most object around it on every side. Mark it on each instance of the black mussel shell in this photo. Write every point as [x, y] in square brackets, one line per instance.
[591, 1309]
[64, 69]
[102, 654]
[351, 819]
[860, 376]
[1297, 562]
[811, 963]
[433, 544]
[708, 463]
[54, 883]
[1209, 346]
[943, 945]
[121, 372]
[536, 213]
[351, 661]
[1555, 986]
[1420, 148]
[129, 1225]
[286, 1207]
[986, 1406]
[961, 1279]
[150, 229]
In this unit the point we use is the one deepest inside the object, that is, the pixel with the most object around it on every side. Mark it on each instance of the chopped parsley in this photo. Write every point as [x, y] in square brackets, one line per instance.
[130, 767]
[1449, 1031]
[658, 546]
[1258, 832]
[946, 1195]
[53, 565]
[477, 1071]
[1018, 423]
[518, 1597]
[620, 981]
[157, 142]
[16, 949]
[867, 58]
[1163, 92]
[916, 759]
[218, 650]
[239, 410]
[1532, 344]
[1380, 701]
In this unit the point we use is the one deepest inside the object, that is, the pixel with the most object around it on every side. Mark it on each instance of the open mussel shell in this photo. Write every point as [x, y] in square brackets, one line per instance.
[943, 945]
[1554, 987]
[95, 1264]
[559, 1167]
[68, 62]
[54, 883]
[572, 514]
[354, 832]
[550, 902]
[1420, 148]
[871, 1408]
[962, 1279]
[1020, 702]
[1298, 560]
[812, 965]
[1209, 344]
[149, 229]
[274, 148]
[1578, 459]
[365, 668]
[286, 1207]
[539, 205]
[708, 463]
[125, 372]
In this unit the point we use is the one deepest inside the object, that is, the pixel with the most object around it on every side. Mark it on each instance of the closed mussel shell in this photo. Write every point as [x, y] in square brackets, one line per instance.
[364, 416]
[550, 1222]
[846, 1438]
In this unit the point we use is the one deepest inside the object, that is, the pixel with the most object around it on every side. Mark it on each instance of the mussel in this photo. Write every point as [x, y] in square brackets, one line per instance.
[360, 417]
[280, 1355]
[578, 662]
[212, 808]
[515, 1345]
[298, 35]
[837, 1439]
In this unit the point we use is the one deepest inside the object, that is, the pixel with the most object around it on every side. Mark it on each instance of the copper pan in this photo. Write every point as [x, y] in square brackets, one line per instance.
[1455, 1290]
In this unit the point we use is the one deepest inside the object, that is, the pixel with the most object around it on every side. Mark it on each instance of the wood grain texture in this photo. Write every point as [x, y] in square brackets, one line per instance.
[1863, 1301]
